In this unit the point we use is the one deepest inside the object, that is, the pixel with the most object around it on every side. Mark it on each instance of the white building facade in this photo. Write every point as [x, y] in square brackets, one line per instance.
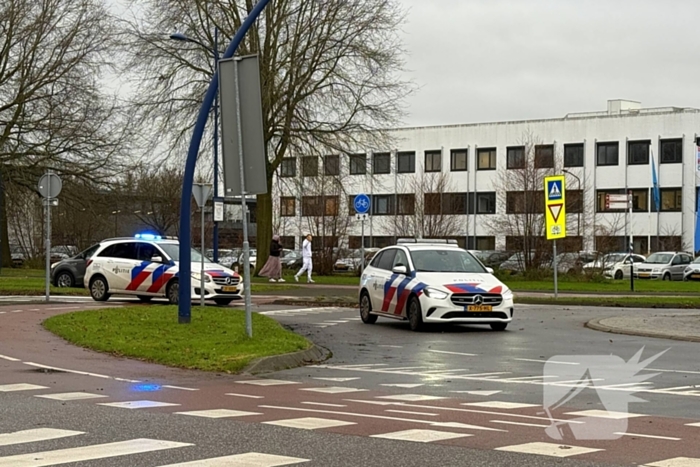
[608, 152]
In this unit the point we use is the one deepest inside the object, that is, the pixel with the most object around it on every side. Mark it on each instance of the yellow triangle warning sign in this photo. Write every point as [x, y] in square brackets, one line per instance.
[555, 210]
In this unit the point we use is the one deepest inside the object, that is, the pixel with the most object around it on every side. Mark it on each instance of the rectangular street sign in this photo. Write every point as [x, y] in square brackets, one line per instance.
[249, 107]
[555, 207]
[616, 198]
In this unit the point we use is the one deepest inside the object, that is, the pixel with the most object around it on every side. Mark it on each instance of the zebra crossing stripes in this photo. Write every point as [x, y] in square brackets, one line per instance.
[249, 459]
[20, 387]
[35, 435]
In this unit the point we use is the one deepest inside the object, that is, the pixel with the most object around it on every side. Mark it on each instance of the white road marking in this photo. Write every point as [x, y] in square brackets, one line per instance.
[338, 380]
[138, 404]
[35, 435]
[453, 353]
[324, 404]
[619, 433]
[524, 378]
[697, 424]
[407, 412]
[86, 453]
[444, 372]
[18, 311]
[478, 393]
[672, 371]
[500, 405]
[2, 312]
[179, 387]
[338, 321]
[390, 346]
[20, 387]
[605, 414]
[11, 359]
[485, 375]
[217, 413]
[71, 396]
[507, 422]
[244, 395]
[310, 423]
[352, 367]
[545, 361]
[548, 449]
[384, 417]
[403, 385]
[411, 397]
[421, 436]
[266, 382]
[85, 373]
[676, 462]
[327, 324]
[402, 368]
[333, 390]
[249, 459]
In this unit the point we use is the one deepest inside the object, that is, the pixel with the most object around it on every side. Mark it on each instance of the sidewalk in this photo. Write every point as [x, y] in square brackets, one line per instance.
[684, 327]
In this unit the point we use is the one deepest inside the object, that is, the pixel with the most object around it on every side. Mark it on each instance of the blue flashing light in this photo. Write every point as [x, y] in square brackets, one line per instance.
[145, 387]
[147, 236]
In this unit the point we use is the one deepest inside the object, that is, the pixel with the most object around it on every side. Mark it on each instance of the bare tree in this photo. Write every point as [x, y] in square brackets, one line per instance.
[329, 70]
[53, 111]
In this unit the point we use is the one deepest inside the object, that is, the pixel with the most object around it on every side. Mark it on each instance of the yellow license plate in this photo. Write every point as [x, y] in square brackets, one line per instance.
[229, 288]
[695, 276]
[479, 308]
[644, 274]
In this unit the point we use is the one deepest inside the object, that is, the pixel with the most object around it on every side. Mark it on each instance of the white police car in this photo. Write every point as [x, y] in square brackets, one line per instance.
[433, 281]
[147, 266]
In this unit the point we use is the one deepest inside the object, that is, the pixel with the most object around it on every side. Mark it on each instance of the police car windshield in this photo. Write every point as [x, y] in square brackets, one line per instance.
[445, 261]
[173, 250]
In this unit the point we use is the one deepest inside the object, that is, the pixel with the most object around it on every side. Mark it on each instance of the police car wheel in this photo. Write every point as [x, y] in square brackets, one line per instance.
[415, 315]
[173, 292]
[99, 289]
[499, 326]
[365, 309]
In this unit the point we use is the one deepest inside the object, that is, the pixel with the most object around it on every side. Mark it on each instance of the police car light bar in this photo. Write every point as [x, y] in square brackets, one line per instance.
[427, 241]
[147, 237]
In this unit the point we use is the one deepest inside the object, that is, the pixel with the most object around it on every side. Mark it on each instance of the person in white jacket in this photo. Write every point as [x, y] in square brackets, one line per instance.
[307, 264]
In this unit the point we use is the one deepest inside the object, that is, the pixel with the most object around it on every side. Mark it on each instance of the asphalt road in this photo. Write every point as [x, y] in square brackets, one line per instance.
[448, 396]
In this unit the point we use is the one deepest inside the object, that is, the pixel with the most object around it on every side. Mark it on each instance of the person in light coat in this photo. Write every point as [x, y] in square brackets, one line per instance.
[307, 264]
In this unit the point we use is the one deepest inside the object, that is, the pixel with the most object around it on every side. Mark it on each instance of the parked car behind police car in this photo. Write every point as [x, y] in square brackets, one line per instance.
[433, 281]
[147, 266]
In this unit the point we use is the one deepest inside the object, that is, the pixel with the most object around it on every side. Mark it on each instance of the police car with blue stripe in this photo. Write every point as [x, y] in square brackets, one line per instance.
[147, 266]
[433, 281]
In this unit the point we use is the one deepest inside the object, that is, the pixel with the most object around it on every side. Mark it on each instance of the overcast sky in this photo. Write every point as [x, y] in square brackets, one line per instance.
[494, 60]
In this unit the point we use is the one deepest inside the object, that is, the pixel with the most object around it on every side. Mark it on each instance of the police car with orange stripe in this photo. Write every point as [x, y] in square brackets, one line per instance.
[147, 266]
[433, 281]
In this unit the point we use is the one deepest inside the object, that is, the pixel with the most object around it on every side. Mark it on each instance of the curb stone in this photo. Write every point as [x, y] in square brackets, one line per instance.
[597, 325]
[315, 354]
[313, 303]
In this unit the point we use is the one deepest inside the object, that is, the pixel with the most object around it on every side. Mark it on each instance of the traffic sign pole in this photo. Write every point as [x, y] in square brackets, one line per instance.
[554, 264]
[555, 217]
[50, 186]
[362, 204]
[631, 245]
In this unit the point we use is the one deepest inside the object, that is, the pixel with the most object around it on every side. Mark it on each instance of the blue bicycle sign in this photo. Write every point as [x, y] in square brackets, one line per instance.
[362, 203]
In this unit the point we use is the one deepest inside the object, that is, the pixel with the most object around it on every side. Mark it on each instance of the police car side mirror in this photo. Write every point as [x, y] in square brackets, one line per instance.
[400, 269]
[157, 259]
[489, 270]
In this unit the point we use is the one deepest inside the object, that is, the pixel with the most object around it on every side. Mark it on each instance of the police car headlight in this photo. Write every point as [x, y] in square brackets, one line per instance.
[198, 277]
[435, 293]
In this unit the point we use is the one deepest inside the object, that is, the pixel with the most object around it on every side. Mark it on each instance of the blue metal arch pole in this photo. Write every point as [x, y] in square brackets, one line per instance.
[185, 274]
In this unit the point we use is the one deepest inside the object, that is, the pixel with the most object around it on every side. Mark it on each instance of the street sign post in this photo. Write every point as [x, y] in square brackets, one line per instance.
[362, 204]
[201, 192]
[49, 187]
[555, 216]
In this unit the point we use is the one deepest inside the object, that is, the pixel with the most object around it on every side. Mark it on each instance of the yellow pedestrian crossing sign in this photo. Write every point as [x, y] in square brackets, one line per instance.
[555, 207]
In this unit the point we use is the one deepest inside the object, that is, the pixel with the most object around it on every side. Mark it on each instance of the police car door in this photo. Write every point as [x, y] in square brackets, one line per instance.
[120, 264]
[145, 271]
[382, 281]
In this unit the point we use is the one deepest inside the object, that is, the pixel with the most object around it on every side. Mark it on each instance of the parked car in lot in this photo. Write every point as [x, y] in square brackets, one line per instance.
[692, 271]
[70, 272]
[572, 263]
[517, 264]
[615, 265]
[291, 259]
[665, 265]
[353, 260]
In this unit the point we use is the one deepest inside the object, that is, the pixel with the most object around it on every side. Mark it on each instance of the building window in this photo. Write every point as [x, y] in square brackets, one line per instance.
[454, 203]
[671, 199]
[406, 162]
[331, 206]
[288, 206]
[406, 204]
[638, 152]
[458, 160]
[309, 166]
[381, 163]
[432, 204]
[433, 161]
[574, 201]
[671, 151]
[573, 155]
[607, 154]
[355, 242]
[288, 168]
[358, 164]
[383, 205]
[484, 243]
[485, 203]
[383, 242]
[524, 202]
[311, 206]
[287, 242]
[611, 243]
[601, 200]
[515, 157]
[351, 205]
[640, 200]
[331, 165]
[544, 156]
[486, 159]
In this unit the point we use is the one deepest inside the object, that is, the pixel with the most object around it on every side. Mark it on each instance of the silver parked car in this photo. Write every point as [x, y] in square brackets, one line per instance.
[665, 265]
[692, 271]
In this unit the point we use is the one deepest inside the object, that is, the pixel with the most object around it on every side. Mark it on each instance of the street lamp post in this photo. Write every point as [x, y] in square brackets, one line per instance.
[578, 215]
[215, 52]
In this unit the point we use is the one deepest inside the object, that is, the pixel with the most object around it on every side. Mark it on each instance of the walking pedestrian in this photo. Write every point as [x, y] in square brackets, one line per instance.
[273, 266]
[306, 257]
